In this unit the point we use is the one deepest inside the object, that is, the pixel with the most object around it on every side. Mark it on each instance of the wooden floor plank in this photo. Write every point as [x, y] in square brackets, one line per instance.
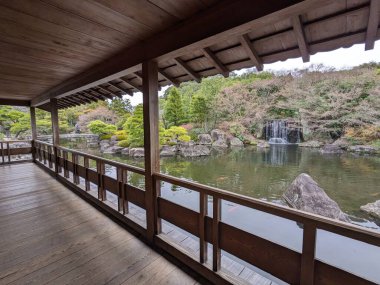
[48, 235]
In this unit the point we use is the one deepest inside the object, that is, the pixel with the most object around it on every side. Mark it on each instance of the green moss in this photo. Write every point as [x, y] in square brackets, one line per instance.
[123, 143]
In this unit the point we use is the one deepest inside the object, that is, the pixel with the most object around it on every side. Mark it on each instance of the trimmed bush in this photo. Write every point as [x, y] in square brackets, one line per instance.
[123, 143]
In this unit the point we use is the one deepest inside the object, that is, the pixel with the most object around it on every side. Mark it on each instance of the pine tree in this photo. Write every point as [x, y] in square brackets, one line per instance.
[173, 110]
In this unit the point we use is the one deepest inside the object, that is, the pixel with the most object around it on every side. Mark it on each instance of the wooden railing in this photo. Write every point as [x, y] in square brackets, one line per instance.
[8, 149]
[286, 264]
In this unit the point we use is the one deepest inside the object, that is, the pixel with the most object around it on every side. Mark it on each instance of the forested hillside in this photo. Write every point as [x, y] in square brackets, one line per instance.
[324, 103]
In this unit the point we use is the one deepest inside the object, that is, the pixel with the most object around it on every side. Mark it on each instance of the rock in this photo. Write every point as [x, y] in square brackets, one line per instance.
[104, 146]
[342, 143]
[92, 145]
[195, 151]
[331, 148]
[218, 135]
[362, 149]
[220, 143]
[263, 144]
[113, 149]
[235, 142]
[136, 152]
[104, 142]
[113, 140]
[167, 150]
[305, 194]
[372, 209]
[315, 144]
[125, 151]
[204, 139]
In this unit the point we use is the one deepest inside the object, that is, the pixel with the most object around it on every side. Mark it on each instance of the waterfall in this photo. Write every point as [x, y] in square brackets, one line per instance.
[277, 132]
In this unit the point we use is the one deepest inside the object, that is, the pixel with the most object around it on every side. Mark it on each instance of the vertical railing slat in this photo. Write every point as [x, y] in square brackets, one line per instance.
[9, 152]
[66, 172]
[202, 230]
[2, 153]
[215, 233]
[308, 254]
[86, 164]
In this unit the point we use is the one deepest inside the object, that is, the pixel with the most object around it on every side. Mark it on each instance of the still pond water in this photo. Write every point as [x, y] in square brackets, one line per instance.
[351, 180]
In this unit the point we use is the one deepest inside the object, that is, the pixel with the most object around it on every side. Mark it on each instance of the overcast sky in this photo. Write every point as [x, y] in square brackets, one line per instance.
[340, 59]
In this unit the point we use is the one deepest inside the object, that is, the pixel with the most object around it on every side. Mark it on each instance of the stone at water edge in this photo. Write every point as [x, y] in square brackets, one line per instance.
[304, 194]
[235, 142]
[167, 150]
[331, 148]
[113, 149]
[219, 138]
[136, 152]
[372, 209]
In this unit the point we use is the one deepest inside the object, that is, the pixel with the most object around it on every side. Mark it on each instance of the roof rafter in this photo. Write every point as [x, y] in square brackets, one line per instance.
[106, 96]
[109, 92]
[89, 96]
[115, 85]
[251, 52]
[71, 101]
[301, 38]
[89, 93]
[373, 22]
[133, 85]
[216, 61]
[168, 78]
[188, 70]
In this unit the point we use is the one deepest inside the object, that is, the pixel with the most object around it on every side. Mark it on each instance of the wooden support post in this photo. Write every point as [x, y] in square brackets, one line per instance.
[55, 127]
[86, 164]
[151, 146]
[75, 169]
[34, 131]
[308, 254]
[202, 227]
[216, 258]
[66, 172]
[2, 152]
[373, 23]
[301, 38]
[50, 158]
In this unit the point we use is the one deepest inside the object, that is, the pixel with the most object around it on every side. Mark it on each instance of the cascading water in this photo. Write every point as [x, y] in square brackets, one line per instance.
[278, 132]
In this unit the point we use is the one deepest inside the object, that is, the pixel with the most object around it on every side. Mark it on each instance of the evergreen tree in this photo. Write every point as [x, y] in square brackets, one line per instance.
[135, 127]
[173, 110]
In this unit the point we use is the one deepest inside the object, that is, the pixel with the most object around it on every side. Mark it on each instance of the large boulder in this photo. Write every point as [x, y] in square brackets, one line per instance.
[195, 151]
[343, 143]
[235, 142]
[204, 139]
[305, 194]
[125, 151]
[167, 150]
[372, 209]
[263, 144]
[331, 148]
[219, 138]
[136, 152]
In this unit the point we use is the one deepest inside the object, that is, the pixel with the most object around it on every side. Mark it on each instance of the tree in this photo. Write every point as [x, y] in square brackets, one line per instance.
[175, 134]
[134, 126]
[100, 128]
[173, 110]
[120, 106]
[199, 110]
[100, 113]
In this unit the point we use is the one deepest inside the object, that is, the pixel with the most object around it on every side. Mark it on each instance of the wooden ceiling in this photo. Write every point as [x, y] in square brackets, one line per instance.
[44, 43]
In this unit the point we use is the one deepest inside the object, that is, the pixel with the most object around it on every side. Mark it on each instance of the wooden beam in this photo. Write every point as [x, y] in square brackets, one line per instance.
[68, 102]
[54, 120]
[85, 97]
[96, 95]
[151, 146]
[168, 78]
[204, 29]
[90, 96]
[301, 38]
[14, 102]
[133, 85]
[137, 75]
[216, 62]
[188, 70]
[75, 101]
[373, 23]
[251, 52]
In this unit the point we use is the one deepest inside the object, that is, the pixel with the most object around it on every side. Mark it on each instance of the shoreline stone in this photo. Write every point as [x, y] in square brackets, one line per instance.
[373, 209]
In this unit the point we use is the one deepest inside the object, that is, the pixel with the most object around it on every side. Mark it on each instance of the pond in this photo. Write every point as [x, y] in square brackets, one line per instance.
[349, 179]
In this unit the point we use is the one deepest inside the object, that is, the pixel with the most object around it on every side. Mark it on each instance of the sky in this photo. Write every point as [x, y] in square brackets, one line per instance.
[342, 58]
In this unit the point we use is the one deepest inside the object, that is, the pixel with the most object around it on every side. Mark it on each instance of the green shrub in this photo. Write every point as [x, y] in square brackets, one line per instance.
[121, 135]
[174, 134]
[100, 128]
[123, 143]
[105, 137]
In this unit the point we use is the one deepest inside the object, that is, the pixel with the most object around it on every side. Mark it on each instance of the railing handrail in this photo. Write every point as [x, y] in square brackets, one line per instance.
[324, 223]
[15, 141]
[125, 166]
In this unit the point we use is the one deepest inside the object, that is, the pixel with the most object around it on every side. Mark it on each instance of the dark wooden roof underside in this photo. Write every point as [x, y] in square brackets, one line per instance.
[45, 42]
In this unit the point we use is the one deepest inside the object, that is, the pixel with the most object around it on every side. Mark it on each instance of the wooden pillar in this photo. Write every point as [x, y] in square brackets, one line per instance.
[151, 146]
[34, 131]
[55, 128]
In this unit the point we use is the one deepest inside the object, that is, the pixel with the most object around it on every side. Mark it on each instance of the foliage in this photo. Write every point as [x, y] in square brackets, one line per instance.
[175, 134]
[173, 110]
[364, 134]
[101, 113]
[134, 126]
[100, 128]
[121, 135]
[123, 143]
[120, 106]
